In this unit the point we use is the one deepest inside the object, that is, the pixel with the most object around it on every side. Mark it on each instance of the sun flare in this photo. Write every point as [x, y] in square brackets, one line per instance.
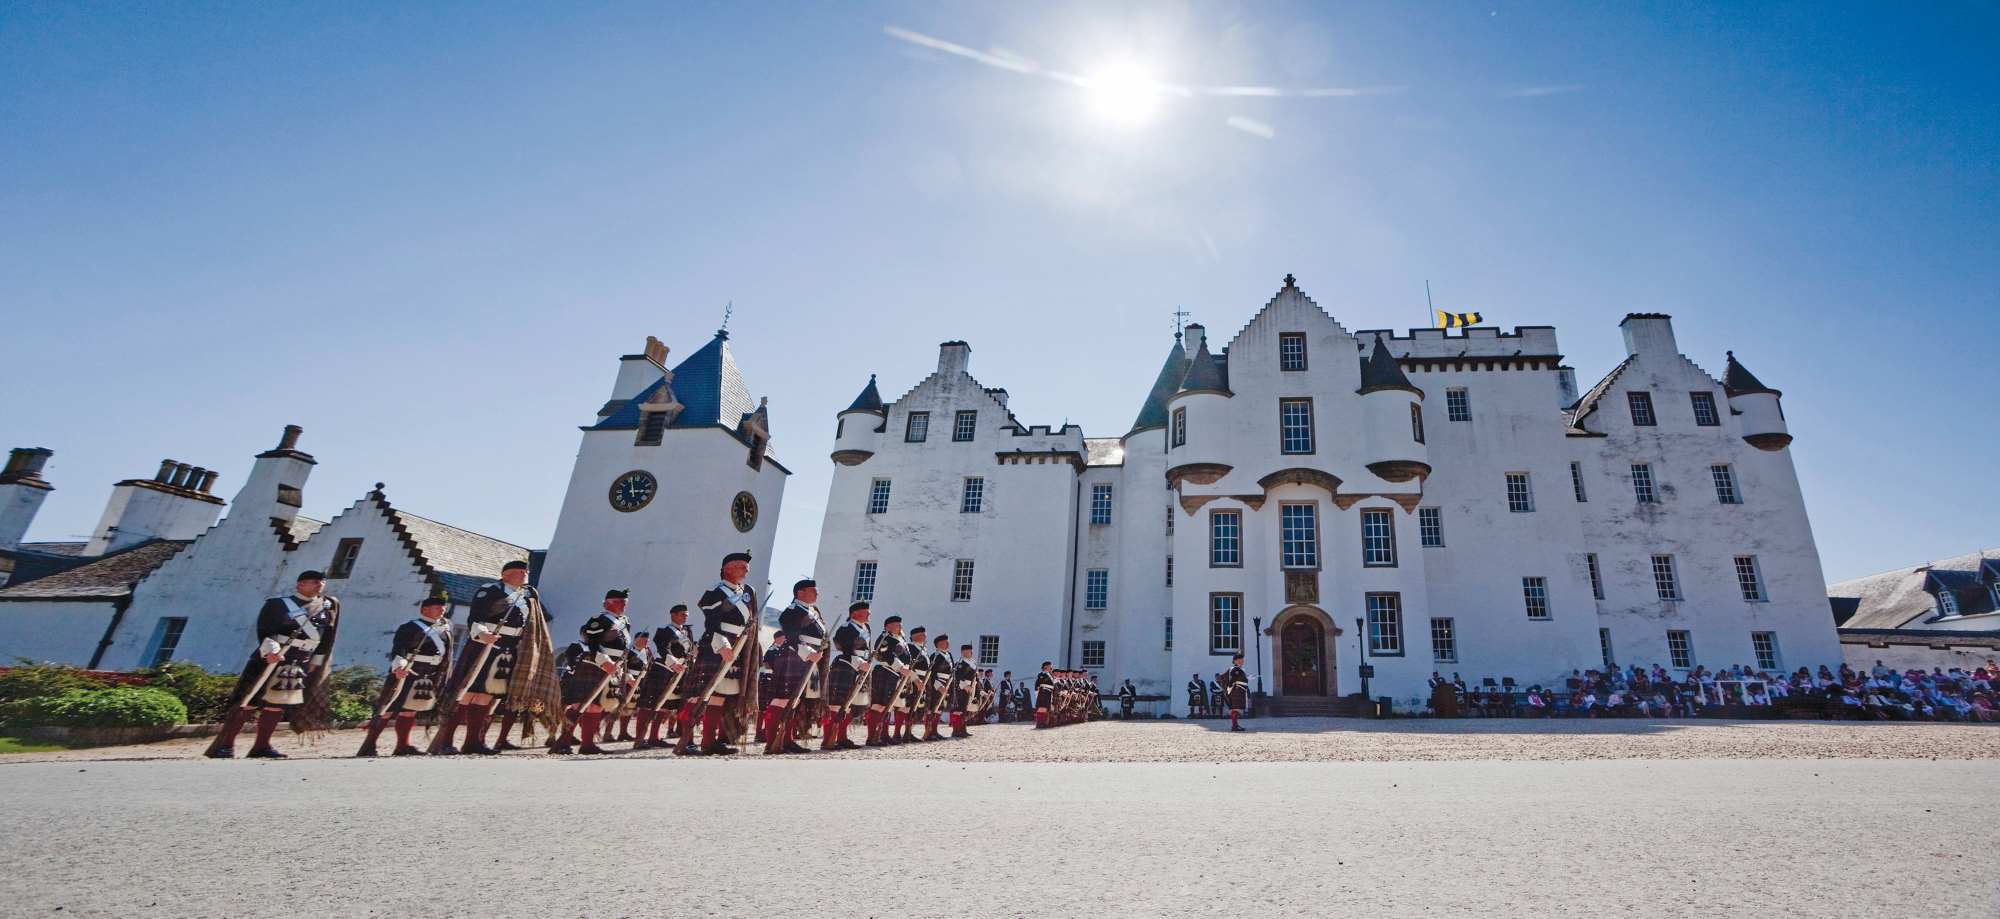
[1123, 93]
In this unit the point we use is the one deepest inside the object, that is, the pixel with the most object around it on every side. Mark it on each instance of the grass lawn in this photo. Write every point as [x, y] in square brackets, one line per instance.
[17, 745]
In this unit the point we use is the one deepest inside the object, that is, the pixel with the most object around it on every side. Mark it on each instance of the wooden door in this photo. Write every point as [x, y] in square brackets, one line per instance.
[1303, 658]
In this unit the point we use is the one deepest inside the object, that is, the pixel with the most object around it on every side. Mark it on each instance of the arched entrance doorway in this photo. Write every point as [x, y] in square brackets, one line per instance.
[1304, 655]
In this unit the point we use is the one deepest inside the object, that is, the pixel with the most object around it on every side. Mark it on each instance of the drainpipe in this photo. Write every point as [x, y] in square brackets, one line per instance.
[118, 608]
[1069, 585]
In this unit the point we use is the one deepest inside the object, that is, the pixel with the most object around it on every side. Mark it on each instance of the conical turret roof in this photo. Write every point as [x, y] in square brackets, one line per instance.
[870, 400]
[1737, 380]
[1379, 370]
[1153, 414]
[1205, 373]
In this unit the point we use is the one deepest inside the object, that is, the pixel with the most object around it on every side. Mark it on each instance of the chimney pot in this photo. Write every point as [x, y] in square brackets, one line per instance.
[207, 481]
[181, 471]
[166, 472]
[194, 478]
[291, 439]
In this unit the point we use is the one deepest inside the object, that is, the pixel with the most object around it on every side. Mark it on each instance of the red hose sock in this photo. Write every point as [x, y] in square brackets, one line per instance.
[404, 722]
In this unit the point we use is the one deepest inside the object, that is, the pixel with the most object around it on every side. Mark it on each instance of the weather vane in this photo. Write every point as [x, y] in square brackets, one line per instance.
[727, 308]
[1180, 321]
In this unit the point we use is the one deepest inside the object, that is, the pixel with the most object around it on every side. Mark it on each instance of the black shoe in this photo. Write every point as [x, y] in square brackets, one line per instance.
[590, 749]
[224, 753]
[718, 748]
[505, 745]
[959, 735]
[845, 744]
[1238, 728]
[367, 752]
[265, 753]
[446, 750]
[561, 750]
[406, 751]
[791, 747]
[479, 749]
[688, 750]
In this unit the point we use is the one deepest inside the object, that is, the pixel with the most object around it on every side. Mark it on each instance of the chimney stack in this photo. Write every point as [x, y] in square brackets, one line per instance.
[22, 490]
[166, 506]
[1649, 333]
[954, 357]
[1193, 336]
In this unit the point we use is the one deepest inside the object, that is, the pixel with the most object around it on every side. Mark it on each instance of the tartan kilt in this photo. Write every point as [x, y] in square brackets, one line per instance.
[788, 673]
[655, 683]
[1044, 697]
[881, 686]
[1239, 697]
[581, 681]
[961, 698]
[706, 666]
[840, 683]
[483, 680]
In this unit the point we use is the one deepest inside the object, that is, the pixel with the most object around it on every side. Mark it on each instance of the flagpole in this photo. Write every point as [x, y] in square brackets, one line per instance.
[1430, 313]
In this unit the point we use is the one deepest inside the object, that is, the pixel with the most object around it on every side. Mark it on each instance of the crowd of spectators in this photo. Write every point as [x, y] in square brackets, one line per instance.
[1879, 693]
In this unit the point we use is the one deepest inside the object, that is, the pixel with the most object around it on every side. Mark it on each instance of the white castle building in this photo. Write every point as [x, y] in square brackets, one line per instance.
[1320, 500]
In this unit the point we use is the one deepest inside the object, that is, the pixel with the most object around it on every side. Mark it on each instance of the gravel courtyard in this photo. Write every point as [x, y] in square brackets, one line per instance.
[1299, 818]
[1322, 739]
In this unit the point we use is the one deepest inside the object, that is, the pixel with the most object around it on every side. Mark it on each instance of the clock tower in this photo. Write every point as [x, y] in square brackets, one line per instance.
[674, 473]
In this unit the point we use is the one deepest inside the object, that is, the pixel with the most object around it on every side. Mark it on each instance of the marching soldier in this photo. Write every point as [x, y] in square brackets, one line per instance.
[596, 665]
[497, 620]
[1216, 702]
[1045, 693]
[419, 655]
[986, 697]
[937, 690]
[794, 674]
[1197, 696]
[964, 690]
[847, 679]
[1007, 706]
[286, 671]
[663, 688]
[912, 698]
[729, 628]
[1128, 695]
[891, 666]
[1237, 684]
[637, 664]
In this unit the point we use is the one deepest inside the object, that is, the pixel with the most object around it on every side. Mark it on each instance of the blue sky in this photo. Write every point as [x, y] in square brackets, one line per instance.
[426, 233]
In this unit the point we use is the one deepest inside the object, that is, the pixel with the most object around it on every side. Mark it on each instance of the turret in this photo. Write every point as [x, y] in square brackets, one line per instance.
[1763, 419]
[861, 424]
[1392, 416]
[1153, 412]
[21, 492]
[1197, 417]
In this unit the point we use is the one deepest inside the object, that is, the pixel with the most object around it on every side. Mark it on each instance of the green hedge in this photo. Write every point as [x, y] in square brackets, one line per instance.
[122, 707]
[26, 685]
[205, 694]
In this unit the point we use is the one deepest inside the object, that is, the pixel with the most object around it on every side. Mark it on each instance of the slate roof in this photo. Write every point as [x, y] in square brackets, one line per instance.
[1737, 380]
[110, 577]
[708, 386]
[70, 549]
[1153, 413]
[870, 399]
[1379, 370]
[460, 560]
[1205, 371]
[1902, 598]
[1103, 451]
[1575, 414]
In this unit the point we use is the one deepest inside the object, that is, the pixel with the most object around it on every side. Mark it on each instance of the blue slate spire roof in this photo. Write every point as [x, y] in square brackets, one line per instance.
[1737, 380]
[708, 386]
[870, 399]
[1153, 414]
[1379, 370]
[1205, 372]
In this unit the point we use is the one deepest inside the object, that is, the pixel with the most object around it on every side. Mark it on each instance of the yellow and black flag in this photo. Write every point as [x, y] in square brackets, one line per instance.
[1457, 320]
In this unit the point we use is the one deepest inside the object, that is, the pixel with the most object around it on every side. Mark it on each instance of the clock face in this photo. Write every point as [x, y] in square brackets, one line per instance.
[633, 490]
[743, 511]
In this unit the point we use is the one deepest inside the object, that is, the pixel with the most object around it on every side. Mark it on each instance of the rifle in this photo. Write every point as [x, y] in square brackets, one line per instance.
[249, 702]
[821, 669]
[674, 683]
[735, 652]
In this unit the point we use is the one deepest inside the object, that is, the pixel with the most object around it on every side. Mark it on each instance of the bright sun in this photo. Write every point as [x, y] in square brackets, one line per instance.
[1124, 94]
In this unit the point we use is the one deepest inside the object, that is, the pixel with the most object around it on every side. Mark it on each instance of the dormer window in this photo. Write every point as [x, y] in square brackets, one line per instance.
[1947, 603]
[652, 429]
